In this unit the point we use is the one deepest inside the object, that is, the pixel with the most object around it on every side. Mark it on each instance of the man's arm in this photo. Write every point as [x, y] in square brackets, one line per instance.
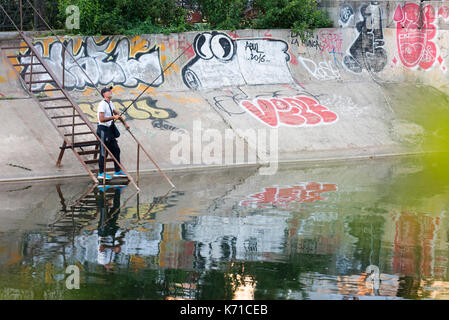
[105, 119]
[121, 119]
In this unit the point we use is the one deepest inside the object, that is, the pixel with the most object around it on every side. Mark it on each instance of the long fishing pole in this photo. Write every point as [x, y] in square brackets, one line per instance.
[163, 71]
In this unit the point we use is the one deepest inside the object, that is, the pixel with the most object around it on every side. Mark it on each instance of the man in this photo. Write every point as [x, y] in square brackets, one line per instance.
[106, 114]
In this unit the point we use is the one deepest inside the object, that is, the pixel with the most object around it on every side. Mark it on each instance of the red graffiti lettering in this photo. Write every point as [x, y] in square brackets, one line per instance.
[263, 110]
[281, 197]
[330, 41]
[443, 12]
[414, 33]
[291, 111]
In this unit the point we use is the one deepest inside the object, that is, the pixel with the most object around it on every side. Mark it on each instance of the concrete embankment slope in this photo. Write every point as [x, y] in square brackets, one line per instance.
[357, 90]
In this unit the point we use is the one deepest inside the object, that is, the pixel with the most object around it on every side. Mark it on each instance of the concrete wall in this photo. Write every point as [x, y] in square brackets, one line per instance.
[328, 96]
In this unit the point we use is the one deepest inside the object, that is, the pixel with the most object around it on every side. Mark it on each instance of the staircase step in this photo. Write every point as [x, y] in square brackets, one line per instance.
[61, 117]
[52, 99]
[26, 64]
[82, 153]
[41, 81]
[45, 90]
[37, 72]
[78, 134]
[85, 144]
[20, 56]
[96, 161]
[58, 107]
[69, 125]
[81, 144]
[18, 47]
[107, 170]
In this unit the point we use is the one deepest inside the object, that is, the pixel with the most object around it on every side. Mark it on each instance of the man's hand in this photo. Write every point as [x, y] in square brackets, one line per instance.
[116, 117]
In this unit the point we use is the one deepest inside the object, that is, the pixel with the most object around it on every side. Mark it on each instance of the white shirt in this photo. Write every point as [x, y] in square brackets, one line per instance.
[103, 107]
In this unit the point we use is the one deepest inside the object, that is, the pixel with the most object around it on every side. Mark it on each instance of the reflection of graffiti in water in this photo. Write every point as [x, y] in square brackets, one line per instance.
[221, 61]
[414, 246]
[415, 32]
[293, 111]
[367, 50]
[122, 61]
[142, 109]
[283, 196]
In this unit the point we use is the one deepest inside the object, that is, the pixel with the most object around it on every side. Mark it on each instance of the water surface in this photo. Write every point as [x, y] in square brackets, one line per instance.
[308, 232]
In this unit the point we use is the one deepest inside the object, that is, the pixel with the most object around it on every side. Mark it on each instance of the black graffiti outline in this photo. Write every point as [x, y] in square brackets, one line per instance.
[191, 79]
[81, 54]
[367, 51]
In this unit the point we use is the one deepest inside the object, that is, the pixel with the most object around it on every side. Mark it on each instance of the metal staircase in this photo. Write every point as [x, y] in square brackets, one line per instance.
[58, 105]
[61, 109]
[76, 131]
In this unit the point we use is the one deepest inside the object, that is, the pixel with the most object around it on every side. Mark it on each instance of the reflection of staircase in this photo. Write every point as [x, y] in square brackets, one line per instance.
[75, 217]
[61, 109]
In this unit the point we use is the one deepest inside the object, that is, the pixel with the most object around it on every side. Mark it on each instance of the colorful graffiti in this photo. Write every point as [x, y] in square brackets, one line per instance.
[222, 61]
[331, 41]
[415, 33]
[283, 196]
[141, 110]
[125, 62]
[367, 51]
[414, 240]
[292, 112]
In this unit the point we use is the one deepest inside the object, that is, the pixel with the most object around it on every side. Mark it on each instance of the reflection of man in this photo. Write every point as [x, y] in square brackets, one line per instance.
[107, 227]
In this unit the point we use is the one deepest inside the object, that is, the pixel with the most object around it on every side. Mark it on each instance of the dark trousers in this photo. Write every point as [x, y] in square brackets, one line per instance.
[111, 143]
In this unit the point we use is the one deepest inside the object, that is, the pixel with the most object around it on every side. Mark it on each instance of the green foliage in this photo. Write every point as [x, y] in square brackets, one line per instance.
[126, 16]
[298, 15]
[223, 14]
[132, 17]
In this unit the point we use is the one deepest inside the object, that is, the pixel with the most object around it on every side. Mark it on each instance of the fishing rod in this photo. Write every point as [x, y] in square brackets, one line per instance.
[163, 71]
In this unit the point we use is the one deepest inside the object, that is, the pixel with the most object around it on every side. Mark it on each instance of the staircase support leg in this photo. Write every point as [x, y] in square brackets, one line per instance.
[61, 154]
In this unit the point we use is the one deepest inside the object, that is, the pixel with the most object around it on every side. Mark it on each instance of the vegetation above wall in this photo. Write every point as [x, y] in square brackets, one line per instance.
[132, 17]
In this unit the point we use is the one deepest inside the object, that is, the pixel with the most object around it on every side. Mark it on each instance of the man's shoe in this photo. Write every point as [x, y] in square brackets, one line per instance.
[104, 176]
[120, 174]
[104, 189]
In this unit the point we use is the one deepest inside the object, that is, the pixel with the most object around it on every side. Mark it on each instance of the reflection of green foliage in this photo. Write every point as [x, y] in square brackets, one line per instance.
[368, 229]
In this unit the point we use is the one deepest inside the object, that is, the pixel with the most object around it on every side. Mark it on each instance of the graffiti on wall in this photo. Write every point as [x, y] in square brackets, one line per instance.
[367, 51]
[346, 16]
[222, 61]
[415, 35]
[125, 62]
[284, 196]
[141, 110]
[323, 70]
[295, 111]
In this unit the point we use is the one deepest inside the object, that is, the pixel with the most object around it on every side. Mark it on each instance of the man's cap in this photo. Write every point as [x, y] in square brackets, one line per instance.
[105, 89]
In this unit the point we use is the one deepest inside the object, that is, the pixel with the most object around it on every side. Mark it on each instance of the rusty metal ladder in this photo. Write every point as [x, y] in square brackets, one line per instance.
[69, 120]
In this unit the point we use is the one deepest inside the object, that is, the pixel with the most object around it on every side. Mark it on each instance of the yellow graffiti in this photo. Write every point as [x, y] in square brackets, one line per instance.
[138, 45]
[77, 46]
[46, 46]
[139, 110]
[111, 47]
[88, 92]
